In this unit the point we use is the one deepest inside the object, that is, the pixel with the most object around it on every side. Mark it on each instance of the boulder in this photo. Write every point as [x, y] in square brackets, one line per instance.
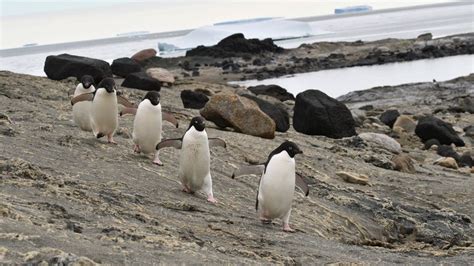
[272, 90]
[124, 66]
[447, 162]
[279, 115]
[161, 74]
[144, 55]
[430, 127]
[236, 45]
[406, 123]
[382, 141]
[316, 113]
[353, 178]
[403, 163]
[466, 160]
[389, 117]
[193, 99]
[242, 114]
[431, 142]
[141, 81]
[425, 37]
[447, 151]
[62, 66]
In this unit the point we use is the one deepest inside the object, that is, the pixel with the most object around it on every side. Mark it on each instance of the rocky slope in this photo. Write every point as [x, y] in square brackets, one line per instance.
[68, 197]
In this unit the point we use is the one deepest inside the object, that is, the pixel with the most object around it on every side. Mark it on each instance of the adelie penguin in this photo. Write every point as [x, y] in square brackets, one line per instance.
[147, 124]
[277, 183]
[81, 112]
[195, 161]
[104, 111]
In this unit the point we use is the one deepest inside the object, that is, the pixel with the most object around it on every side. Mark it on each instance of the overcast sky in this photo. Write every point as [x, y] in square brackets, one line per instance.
[45, 22]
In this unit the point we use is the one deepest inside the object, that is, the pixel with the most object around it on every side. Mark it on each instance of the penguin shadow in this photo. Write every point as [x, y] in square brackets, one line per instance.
[272, 225]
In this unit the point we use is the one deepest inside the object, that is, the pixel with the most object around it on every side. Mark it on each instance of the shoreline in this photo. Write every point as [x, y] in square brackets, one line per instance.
[9, 52]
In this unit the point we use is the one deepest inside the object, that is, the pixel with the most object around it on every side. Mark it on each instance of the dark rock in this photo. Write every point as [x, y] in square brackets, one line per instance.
[272, 90]
[389, 117]
[193, 100]
[195, 73]
[368, 107]
[469, 131]
[122, 67]
[278, 114]
[62, 66]
[236, 45]
[466, 160]
[318, 114]
[431, 142]
[430, 127]
[141, 81]
[425, 37]
[448, 151]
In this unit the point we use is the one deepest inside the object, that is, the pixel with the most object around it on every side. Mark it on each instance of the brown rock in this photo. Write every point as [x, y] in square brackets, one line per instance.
[244, 115]
[403, 163]
[406, 123]
[144, 55]
[447, 162]
[353, 178]
[161, 74]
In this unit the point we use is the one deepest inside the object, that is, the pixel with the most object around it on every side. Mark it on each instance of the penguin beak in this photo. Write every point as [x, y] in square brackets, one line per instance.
[299, 152]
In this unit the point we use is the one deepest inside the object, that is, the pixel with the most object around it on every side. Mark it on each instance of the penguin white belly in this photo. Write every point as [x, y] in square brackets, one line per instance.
[81, 111]
[277, 186]
[147, 127]
[104, 113]
[81, 115]
[195, 159]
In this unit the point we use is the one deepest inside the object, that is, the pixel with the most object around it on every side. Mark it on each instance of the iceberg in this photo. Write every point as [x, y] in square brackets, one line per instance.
[259, 28]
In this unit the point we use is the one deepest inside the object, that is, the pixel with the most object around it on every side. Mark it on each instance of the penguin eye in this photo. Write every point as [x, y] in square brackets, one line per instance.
[291, 148]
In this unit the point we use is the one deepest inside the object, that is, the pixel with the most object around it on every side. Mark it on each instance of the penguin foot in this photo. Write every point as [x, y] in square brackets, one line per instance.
[287, 228]
[158, 162]
[265, 220]
[187, 190]
[111, 140]
[136, 148]
[211, 199]
[100, 135]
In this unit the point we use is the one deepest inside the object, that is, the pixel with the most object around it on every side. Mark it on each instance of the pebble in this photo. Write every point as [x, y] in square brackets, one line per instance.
[353, 178]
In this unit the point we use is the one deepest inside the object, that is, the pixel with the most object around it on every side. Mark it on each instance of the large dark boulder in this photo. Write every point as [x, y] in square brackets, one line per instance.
[193, 99]
[430, 127]
[318, 114]
[389, 117]
[141, 81]
[279, 115]
[122, 67]
[62, 66]
[236, 45]
[272, 90]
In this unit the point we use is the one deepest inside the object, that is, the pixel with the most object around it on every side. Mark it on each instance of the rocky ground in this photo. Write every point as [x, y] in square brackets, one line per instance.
[68, 197]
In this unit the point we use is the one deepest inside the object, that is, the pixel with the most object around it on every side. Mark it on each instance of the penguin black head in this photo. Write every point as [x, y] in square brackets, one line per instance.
[290, 147]
[198, 123]
[108, 84]
[153, 97]
[87, 81]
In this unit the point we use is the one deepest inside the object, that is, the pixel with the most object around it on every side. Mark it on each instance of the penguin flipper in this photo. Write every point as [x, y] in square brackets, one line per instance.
[301, 184]
[170, 118]
[124, 101]
[215, 142]
[83, 97]
[175, 143]
[249, 170]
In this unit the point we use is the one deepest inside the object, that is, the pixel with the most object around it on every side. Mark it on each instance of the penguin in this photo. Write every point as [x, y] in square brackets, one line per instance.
[147, 124]
[277, 184]
[104, 109]
[195, 161]
[81, 112]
